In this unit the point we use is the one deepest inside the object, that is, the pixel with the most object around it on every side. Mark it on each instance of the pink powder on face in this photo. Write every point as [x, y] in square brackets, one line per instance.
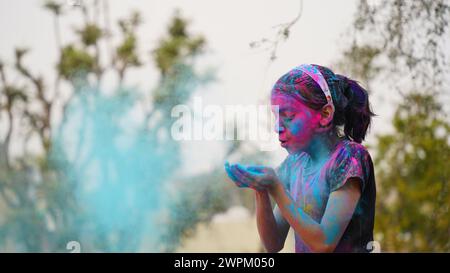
[297, 122]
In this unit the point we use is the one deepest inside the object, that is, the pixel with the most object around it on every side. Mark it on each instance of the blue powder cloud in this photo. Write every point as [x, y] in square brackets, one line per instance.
[120, 169]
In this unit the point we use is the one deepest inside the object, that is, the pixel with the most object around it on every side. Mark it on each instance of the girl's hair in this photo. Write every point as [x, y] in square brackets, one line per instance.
[352, 113]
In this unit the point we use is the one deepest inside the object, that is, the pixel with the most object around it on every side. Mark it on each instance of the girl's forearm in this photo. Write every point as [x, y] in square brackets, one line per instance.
[267, 226]
[309, 230]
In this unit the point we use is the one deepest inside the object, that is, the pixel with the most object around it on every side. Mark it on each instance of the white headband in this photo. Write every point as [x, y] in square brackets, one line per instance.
[315, 74]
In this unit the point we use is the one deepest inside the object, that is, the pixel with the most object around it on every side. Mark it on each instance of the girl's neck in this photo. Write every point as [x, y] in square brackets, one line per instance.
[321, 147]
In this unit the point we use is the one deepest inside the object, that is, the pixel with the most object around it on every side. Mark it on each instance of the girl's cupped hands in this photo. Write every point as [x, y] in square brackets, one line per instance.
[260, 178]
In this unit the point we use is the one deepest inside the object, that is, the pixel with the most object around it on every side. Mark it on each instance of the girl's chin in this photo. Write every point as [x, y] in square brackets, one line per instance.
[291, 150]
[288, 149]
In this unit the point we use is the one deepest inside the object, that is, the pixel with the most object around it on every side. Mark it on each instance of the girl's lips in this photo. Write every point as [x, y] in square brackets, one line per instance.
[283, 143]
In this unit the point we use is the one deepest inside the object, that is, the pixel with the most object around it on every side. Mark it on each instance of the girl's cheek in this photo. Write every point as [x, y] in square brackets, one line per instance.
[296, 127]
[302, 129]
[316, 119]
[312, 122]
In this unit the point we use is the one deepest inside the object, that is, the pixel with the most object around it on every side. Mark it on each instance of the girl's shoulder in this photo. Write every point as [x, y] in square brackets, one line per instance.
[350, 159]
[350, 149]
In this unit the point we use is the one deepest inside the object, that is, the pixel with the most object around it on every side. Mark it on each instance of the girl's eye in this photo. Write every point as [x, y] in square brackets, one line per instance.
[289, 115]
[288, 118]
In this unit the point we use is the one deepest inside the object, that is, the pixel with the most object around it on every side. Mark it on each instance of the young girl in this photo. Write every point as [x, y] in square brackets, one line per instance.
[325, 188]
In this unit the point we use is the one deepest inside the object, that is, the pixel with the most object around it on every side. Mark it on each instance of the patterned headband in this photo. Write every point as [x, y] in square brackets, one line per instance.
[315, 74]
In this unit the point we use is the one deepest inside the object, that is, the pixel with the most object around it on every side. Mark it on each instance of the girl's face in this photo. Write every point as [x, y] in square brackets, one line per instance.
[297, 123]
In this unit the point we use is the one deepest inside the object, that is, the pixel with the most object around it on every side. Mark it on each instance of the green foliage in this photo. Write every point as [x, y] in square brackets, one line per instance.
[409, 34]
[172, 57]
[90, 34]
[359, 62]
[177, 46]
[413, 212]
[15, 94]
[75, 63]
[126, 53]
[130, 24]
[53, 6]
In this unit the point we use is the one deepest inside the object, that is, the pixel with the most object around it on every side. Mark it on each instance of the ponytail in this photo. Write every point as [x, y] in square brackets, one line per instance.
[355, 111]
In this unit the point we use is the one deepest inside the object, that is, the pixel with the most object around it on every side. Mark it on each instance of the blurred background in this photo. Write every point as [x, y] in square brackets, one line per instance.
[87, 88]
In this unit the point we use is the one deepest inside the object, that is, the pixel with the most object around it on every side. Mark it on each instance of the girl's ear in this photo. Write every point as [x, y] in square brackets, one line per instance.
[326, 119]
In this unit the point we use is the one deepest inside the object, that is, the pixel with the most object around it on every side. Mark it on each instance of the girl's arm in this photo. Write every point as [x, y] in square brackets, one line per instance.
[272, 227]
[323, 236]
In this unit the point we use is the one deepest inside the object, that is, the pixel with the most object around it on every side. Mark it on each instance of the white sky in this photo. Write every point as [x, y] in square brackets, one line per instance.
[244, 74]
